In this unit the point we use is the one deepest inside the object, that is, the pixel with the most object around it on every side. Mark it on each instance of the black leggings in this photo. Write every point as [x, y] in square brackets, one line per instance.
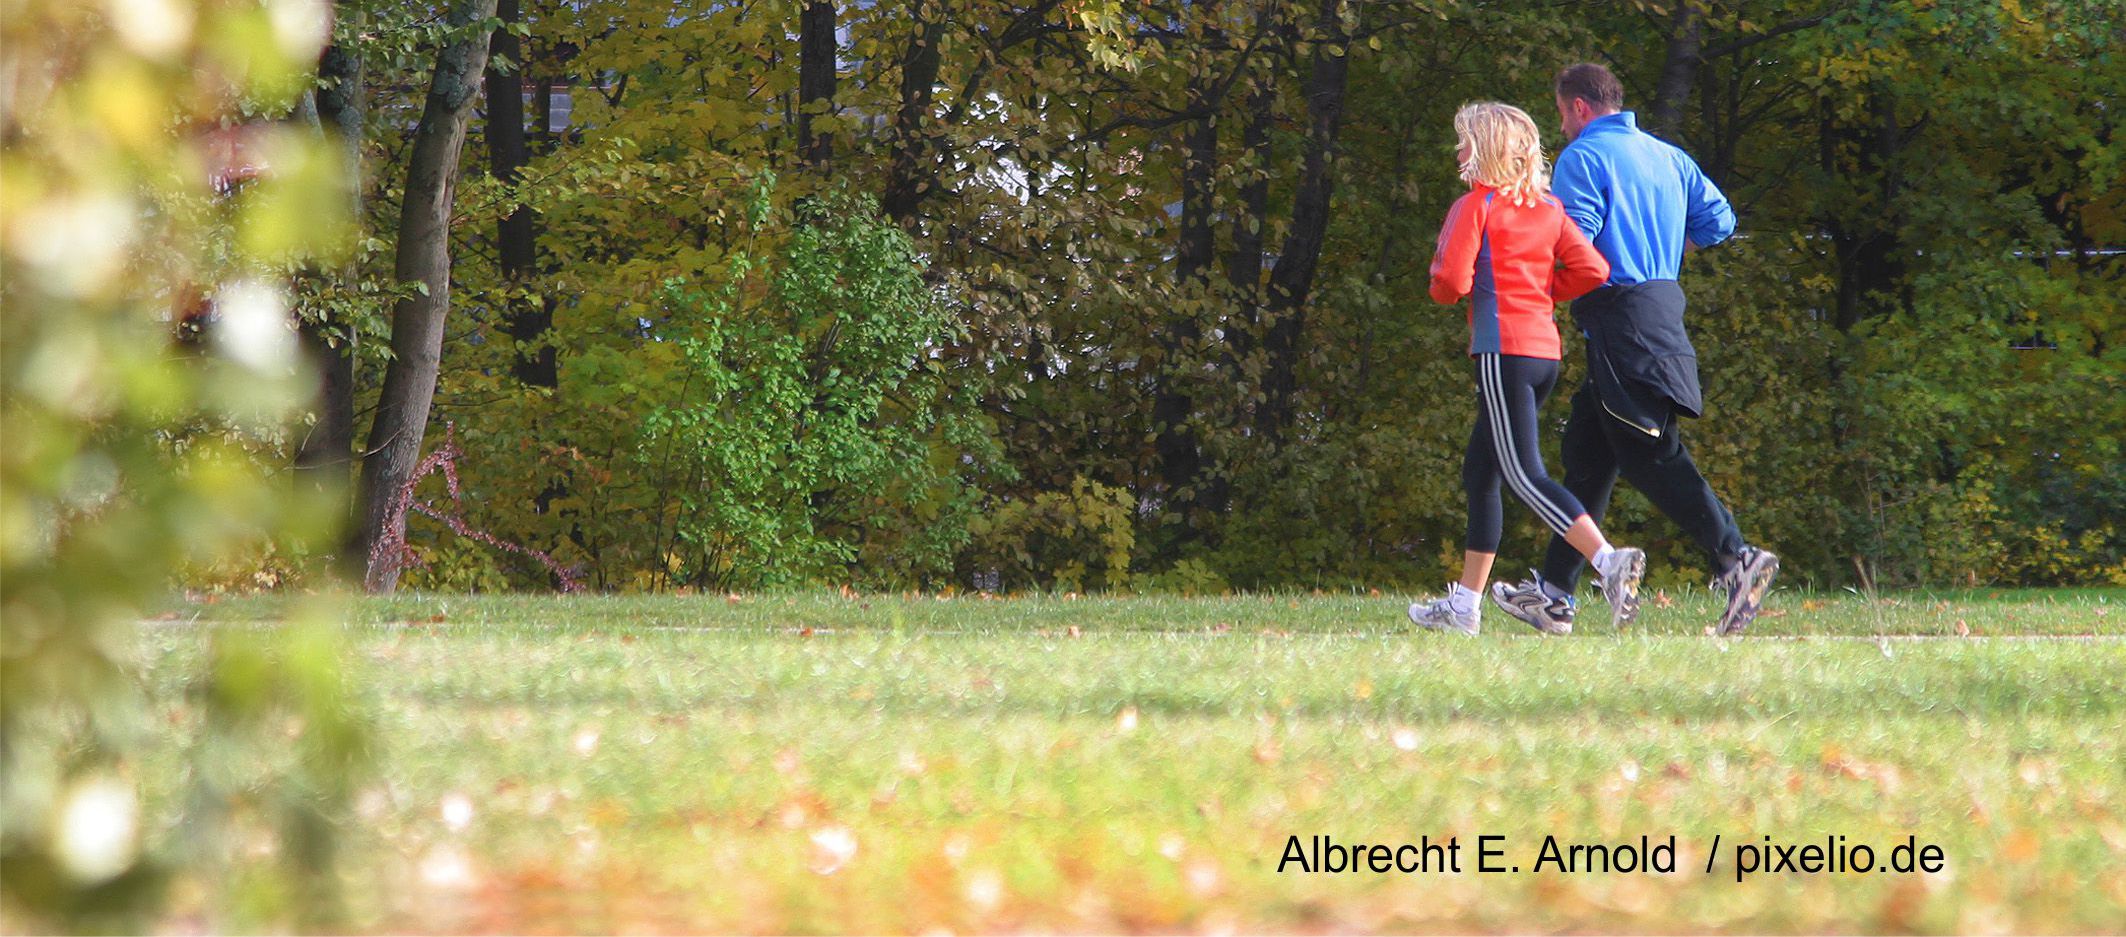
[1510, 390]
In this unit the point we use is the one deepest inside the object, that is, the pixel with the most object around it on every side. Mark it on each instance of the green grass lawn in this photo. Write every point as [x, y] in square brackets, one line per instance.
[891, 763]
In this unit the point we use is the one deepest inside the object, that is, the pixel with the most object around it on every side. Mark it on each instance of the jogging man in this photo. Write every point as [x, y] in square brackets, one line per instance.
[1643, 203]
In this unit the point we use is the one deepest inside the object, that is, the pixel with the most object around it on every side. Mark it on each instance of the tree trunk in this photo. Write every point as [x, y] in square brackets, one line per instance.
[1866, 245]
[1243, 269]
[816, 47]
[1293, 278]
[423, 257]
[1179, 450]
[910, 179]
[1679, 70]
[324, 460]
[516, 239]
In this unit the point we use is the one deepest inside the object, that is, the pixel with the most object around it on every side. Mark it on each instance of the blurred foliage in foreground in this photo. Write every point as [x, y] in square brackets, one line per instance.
[156, 197]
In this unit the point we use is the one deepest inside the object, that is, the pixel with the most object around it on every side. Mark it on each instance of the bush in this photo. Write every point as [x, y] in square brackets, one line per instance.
[1075, 540]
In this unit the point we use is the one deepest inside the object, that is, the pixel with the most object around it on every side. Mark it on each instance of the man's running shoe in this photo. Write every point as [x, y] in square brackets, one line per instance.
[1746, 584]
[1527, 601]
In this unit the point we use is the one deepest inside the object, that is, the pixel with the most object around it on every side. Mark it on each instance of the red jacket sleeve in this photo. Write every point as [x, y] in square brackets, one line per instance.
[1585, 268]
[1454, 259]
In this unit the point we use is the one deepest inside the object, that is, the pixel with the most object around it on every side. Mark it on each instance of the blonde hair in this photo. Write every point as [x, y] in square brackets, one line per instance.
[1505, 150]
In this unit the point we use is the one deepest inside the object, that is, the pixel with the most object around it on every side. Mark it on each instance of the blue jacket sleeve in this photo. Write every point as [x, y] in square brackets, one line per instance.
[1581, 188]
[1709, 219]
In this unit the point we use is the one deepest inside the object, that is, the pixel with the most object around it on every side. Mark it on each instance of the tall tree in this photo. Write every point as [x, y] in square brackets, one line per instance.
[1679, 68]
[816, 52]
[326, 452]
[1173, 405]
[516, 239]
[423, 258]
[911, 175]
[1292, 280]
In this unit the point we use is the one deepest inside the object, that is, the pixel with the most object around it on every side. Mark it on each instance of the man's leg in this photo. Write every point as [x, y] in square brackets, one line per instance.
[1662, 469]
[1591, 476]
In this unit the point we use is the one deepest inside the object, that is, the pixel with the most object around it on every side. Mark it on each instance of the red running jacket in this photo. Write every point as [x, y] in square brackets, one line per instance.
[1505, 257]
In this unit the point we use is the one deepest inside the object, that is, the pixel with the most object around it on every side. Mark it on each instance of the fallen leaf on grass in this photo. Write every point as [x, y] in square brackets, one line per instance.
[1267, 751]
[457, 811]
[607, 812]
[832, 848]
[2114, 836]
[985, 890]
[1882, 774]
[447, 867]
[1172, 846]
[2020, 846]
[1900, 908]
[1204, 879]
[802, 809]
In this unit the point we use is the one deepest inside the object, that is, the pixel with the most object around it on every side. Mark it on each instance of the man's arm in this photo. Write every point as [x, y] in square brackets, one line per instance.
[1583, 268]
[1708, 218]
[1582, 188]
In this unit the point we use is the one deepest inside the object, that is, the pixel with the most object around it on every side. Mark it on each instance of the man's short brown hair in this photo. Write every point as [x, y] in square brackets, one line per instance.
[1591, 83]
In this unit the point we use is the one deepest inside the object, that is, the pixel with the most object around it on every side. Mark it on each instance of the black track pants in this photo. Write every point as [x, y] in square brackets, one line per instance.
[1510, 394]
[1598, 447]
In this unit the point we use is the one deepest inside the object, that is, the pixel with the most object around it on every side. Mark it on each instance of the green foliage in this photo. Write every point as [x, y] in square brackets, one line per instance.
[1071, 540]
[1920, 187]
[132, 452]
[806, 409]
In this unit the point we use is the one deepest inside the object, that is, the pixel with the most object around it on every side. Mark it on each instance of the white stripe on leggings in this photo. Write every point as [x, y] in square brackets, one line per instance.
[1491, 381]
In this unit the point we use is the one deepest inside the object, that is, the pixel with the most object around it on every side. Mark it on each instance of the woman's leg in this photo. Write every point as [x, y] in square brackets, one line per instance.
[1480, 482]
[1511, 388]
[1476, 569]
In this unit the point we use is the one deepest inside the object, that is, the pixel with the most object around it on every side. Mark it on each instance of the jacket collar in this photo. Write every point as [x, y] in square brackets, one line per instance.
[1621, 120]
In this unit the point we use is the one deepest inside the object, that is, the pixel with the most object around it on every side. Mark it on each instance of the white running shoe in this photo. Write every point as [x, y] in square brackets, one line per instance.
[1620, 583]
[1439, 615]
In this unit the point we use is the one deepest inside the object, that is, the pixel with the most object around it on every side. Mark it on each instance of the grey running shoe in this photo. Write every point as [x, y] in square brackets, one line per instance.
[1527, 601]
[1746, 583]
[1620, 583]
[1439, 615]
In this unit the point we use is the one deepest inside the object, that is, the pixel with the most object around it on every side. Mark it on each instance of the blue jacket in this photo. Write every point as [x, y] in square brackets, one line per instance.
[1637, 197]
